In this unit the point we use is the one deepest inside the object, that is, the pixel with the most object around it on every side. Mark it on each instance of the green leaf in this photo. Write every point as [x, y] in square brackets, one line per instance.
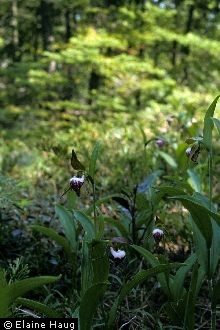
[168, 159]
[177, 287]
[216, 295]
[86, 268]
[194, 139]
[93, 160]
[215, 248]
[51, 233]
[200, 247]
[100, 261]
[217, 124]
[118, 225]
[200, 215]
[149, 257]
[208, 124]
[9, 293]
[3, 281]
[86, 223]
[75, 163]
[67, 222]
[189, 320]
[71, 200]
[139, 278]
[89, 304]
[19, 288]
[194, 180]
[4, 297]
[38, 307]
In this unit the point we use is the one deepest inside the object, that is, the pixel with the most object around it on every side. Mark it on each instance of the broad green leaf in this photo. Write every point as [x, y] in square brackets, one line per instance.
[208, 124]
[189, 320]
[86, 268]
[93, 160]
[139, 278]
[168, 159]
[71, 200]
[217, 124]
[38, 307]
[19, 288]
[215, 248]
[118, 225]
[67, 222]
[177, 287]
[100, 261]
[200, 215]
[89, 304]
[166, 191]
[51, 233]
[175, 311]
[86, 223]
[200, 247]
[194, 180]
[9, 293]
[149, 257]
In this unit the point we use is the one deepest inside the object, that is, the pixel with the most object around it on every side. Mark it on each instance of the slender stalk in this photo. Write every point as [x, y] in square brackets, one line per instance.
[210, 281]
[210, 179]
[133, 216]
[213, 308]
[94, 206]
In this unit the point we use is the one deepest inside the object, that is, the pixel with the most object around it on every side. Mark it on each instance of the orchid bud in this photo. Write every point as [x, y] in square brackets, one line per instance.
[120, 254]
[188, 151]
[158, 234]
[76, 184]
[160, 143]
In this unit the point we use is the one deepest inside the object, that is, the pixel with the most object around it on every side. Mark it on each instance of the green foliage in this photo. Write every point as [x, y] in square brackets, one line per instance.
[208, 124]
[127, 287]
[124, 73]
[10, 292]
[89, 304]
[38, 307]
[67, 222]
[51, 233]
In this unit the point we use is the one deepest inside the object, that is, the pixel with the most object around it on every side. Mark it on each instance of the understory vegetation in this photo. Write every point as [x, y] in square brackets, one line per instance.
[109, 162]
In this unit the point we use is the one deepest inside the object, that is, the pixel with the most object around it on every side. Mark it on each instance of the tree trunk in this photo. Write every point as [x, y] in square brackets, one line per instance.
[186, 49]
[67, 25]
[175, 43]
[15, 35]
[45, 10]
[94, 83]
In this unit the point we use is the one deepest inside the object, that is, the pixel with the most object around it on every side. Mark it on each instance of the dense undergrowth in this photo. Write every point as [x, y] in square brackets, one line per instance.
[110, 246]
[113, 95]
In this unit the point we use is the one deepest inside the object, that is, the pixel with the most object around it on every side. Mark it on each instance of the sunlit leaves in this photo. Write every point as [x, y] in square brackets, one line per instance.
[208, 124]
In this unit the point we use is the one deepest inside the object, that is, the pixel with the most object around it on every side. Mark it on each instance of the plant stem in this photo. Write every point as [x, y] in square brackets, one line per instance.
[210, 179]
[133, 216]
[210, 281]
[94, 206]
[213, 308]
